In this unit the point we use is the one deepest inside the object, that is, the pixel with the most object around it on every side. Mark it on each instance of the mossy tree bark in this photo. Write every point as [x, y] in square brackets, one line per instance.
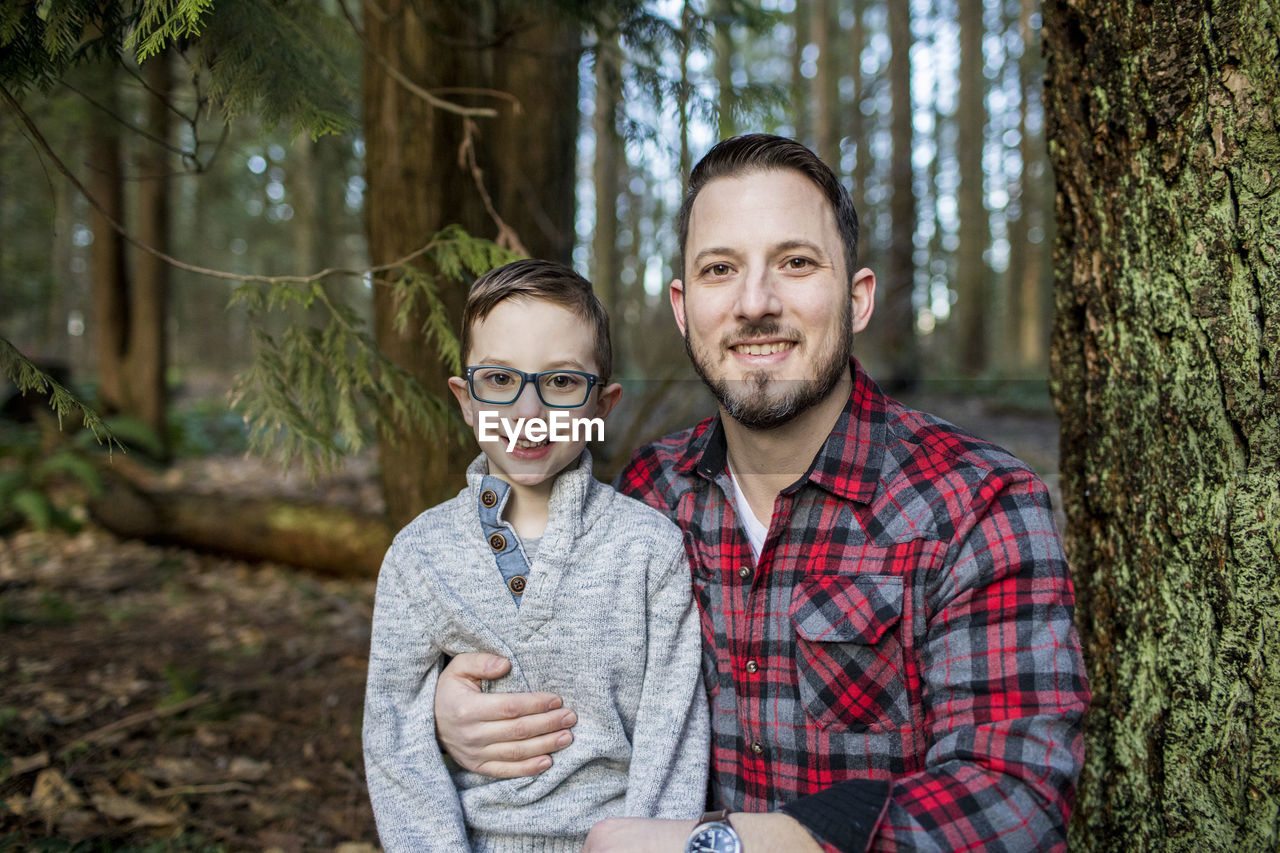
[1162, 121]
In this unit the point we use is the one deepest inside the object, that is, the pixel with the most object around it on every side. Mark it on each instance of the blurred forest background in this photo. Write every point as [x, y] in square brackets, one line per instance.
[929, 111]
[251, 223]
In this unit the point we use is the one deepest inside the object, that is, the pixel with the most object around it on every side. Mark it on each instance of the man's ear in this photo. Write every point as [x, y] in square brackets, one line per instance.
[462, 393]
[864, 298]
[677, 303]
[609, 396]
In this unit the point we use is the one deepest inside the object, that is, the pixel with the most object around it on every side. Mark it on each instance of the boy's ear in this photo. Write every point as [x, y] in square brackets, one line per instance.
[609, 396]
[462, 394]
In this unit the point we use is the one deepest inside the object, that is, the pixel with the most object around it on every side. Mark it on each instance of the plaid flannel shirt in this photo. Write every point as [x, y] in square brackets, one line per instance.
[900, 667]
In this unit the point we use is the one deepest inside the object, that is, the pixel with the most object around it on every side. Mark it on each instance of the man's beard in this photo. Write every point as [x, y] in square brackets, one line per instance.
[748, 401]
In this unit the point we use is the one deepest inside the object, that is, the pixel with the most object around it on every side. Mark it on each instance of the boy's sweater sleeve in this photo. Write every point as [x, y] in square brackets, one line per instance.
[414, 800]
[671, 740]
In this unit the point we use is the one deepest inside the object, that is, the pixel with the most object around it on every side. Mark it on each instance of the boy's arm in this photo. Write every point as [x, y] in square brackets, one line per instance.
[671, 741]
[413, 797]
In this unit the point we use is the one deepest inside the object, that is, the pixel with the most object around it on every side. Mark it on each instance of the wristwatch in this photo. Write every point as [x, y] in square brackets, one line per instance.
[714, 834]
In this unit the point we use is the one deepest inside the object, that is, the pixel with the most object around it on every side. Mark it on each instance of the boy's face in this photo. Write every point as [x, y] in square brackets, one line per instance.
[531, 335]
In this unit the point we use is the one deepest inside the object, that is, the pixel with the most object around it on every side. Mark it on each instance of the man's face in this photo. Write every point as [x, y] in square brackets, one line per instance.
[531, 335]
[766, 306]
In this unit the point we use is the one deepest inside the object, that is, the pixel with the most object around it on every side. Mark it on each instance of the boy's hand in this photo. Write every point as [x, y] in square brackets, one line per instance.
[505, 735]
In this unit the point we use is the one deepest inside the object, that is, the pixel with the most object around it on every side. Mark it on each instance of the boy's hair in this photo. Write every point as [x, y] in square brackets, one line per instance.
[762, 152]
[546, 280]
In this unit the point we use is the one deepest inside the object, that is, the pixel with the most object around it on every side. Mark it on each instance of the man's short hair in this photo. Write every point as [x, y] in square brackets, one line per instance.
[546, 280]
[761, 152]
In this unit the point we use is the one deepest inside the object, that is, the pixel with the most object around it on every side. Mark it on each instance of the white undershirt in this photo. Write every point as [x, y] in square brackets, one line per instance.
[756, 531]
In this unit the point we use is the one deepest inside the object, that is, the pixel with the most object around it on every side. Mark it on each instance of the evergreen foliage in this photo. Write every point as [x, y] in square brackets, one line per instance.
[316, 392]
[286, 61]
[27, 377]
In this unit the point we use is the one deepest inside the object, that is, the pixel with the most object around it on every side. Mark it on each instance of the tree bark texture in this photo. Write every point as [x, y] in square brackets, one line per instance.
[610, 156]
[420, 181]
[896, 321]
[973, 299]
[148, 345]
[826, 85]
[1162, 122]
[130, 289]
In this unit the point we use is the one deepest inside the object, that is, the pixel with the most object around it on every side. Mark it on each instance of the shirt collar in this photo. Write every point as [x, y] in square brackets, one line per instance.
[848, 463]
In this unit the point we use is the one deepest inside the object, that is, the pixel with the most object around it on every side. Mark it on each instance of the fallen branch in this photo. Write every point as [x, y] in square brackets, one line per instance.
[135, 720]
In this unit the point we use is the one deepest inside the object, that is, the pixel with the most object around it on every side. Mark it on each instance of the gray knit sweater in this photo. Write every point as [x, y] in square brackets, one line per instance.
[606, 622]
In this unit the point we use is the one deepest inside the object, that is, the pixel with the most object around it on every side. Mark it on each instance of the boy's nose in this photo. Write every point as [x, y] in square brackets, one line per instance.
[527, 405]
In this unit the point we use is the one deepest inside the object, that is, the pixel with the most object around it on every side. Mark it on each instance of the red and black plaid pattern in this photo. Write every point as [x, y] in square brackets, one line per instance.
[909, 620]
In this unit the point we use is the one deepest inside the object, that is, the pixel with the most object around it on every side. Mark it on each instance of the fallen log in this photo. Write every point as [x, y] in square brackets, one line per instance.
[323, 538]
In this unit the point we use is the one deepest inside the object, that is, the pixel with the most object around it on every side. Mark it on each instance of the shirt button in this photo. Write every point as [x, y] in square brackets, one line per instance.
[744, 572]
[497, 541]
[753, 667]
[488, 497]
[516, 584]
[757, 748]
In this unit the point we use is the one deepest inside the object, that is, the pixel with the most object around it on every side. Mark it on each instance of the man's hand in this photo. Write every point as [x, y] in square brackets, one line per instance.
[760, 833]
[638, 835]
[504, 735]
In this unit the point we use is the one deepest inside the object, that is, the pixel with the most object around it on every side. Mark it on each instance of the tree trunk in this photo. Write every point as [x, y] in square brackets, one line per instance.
[535, 144]
[130, 299]
[973, 301]
[606, 261]
[826, 84]
[724, 49]
[857, 124]
[896, 319]
[149, 300]
[330, 540]
[799, 85]
[1024, 341]
[416, 184]
[1166, 364]
[110, 319]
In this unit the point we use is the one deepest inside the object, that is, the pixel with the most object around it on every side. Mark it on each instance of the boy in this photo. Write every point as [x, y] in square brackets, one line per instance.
[538, 562]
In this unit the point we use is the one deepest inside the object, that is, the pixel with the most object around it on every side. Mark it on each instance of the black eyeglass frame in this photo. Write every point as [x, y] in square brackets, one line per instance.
[525, 379]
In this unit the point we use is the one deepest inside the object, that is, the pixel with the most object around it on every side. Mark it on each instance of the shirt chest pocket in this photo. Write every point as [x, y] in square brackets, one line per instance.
[849, 652]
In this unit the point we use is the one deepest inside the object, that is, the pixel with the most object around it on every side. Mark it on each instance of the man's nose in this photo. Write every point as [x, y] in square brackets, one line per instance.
[758, 295]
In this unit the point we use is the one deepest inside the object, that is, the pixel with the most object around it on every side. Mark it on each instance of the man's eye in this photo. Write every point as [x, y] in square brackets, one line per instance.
[798, 263]
[718, 269]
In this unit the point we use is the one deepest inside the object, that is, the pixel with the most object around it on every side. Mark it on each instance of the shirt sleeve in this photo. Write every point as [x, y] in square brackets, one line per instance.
[414, 800]
[671, 741]
[1004, 694]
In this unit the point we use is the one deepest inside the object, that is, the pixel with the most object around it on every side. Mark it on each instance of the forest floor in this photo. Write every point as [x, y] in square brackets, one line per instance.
[153, 698]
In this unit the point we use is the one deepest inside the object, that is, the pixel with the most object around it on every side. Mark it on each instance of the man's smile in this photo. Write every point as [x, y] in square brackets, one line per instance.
[763, 347]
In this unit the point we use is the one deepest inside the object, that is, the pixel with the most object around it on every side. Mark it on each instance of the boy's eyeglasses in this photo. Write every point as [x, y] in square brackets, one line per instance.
[557, 389]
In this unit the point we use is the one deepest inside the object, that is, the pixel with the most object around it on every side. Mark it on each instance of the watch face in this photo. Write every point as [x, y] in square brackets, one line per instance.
[715, 838]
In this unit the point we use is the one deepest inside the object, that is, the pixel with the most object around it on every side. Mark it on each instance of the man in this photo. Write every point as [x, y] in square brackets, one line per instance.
[888, 645]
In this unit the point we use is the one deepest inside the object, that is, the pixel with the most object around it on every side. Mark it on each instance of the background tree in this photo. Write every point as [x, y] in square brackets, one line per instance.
[1162, 120]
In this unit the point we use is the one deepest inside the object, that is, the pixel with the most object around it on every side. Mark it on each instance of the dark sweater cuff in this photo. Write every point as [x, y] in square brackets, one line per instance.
[845, 815]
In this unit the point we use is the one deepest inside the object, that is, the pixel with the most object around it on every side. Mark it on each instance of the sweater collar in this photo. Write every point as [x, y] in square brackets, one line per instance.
[568, 504]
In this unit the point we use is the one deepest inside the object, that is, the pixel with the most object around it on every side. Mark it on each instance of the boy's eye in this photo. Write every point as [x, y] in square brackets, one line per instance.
[563, 381]
[497, 378]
